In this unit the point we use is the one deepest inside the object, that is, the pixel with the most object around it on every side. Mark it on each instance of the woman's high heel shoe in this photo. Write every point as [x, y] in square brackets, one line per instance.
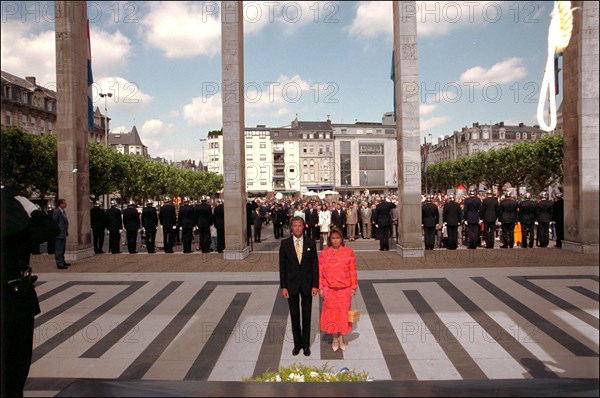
[342, 344]
[335, 344]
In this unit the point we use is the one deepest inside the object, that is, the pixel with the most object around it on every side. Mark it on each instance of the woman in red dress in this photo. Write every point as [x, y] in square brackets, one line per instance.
[337, 285]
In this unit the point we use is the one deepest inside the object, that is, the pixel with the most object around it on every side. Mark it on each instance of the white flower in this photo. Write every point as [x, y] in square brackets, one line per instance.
[277, 377]
[313, 374]
[296, 377]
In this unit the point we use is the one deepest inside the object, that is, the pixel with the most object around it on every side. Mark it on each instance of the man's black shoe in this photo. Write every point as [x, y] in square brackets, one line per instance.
[307, 352]
[295, 351]
[503, 247]
[67, 264]
[62, 267]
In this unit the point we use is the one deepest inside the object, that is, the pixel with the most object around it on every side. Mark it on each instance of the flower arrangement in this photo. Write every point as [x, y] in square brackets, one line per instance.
[303, 373]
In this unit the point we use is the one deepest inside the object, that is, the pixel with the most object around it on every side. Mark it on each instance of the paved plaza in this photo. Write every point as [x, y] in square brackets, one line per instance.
[520, 321]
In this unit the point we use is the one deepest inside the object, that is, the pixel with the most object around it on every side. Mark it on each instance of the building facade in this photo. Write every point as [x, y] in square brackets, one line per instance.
[128, 143]
[26, 104]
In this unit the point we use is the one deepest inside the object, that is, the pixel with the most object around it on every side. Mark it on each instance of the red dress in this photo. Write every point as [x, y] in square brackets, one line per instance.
[337, 278]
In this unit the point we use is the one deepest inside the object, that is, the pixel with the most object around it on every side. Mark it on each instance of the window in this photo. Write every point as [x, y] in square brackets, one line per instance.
[312, 149]
[311, 136]
[369, 131]
[24, 121]
[320, 136]
[312, 163]
[475, 135]
[304, 148]
[533, 136]
[327, 136]
[485, 134]
[326, 148]
[276, 134]
[304, 136]
[290, 134]
[43, 126]
[263, 158]
[8, 118]
[305, 163]
[360, 131]
[320, 149]
[518, 136]
[249, 157]
[249, 145]
[263, 145]
[524, 136]
[502, 134]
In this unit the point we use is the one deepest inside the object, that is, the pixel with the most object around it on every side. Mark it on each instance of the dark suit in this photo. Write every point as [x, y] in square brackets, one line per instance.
[299, 279]
[150, 223]
[98, 224]
[451, 215]
[168, 219]
[558, 215]
[507, 214]
[527, 211]
[543, 217]
[204, 219]
[186, 221]
[489, 215]
[61, 239]
[131, 221]
[311, 217]
[383, 220]
[114, 223]
[430, 218]
[472, 207]
[219, 217]
[338, 218]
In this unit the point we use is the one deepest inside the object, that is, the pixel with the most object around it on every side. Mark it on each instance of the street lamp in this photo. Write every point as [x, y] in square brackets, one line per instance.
[105, 96]
[203, 140]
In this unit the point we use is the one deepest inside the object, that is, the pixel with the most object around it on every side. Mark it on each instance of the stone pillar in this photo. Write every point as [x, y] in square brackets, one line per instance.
[406, 63]
[72, 123]
[580, 130]
[234, 150]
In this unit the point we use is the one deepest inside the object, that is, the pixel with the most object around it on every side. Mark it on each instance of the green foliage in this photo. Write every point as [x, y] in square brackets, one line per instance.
[537, 164]
[303, 373]
[29, 165]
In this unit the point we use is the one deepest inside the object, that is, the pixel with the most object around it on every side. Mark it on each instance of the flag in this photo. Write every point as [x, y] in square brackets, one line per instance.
[395, 177]
[393, 77]
[425, 155]
[90, 80]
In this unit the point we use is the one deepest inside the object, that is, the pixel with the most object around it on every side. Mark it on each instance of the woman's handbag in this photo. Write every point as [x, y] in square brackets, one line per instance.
[353, 315]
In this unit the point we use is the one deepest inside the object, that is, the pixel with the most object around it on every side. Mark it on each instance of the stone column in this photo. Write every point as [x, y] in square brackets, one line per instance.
[72, 123]
[234, 150]
[406, 63]
[580, 130]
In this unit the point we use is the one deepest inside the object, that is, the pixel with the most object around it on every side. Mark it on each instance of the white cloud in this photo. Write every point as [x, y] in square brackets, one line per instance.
[155, 134]
[425, 109]
[125, 94]
[184, 29]
[109, 51]
[119, 129]
[374, 18]
[204, 112]
[506, 71]
[434, 122]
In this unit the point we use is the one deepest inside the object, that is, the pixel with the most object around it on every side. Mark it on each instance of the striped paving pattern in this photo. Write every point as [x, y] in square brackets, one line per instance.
[450, 324]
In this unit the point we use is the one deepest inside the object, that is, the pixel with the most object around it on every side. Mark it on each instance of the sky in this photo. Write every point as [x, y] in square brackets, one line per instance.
[479, 61]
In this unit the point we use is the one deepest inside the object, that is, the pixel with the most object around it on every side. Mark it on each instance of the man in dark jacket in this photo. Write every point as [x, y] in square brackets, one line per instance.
[150, 223]
[472, 207]
[383, 221]
[558, 216]
[430, 217]
[527, 210]
[131, 221]
[219, 219]
[98, 224]
[168, 220]
[204, 219]
[311, 218]
[507, 214]
[544, 216]
[186, 221]
[114, 223]
[451, 216]
[489, 215]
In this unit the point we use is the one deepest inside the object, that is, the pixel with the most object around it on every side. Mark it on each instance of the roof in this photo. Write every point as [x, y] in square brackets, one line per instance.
[131, 138]
[326, 125]
[24, 83]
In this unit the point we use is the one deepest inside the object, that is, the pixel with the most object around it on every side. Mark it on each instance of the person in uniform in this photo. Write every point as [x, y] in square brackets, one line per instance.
[430, 218]
[507, 214]
[558, 216]
[131, 221]
[114, 222]
[185, 220]
[472, 207]
[22, 226]
[204, 219]
[50, 242]
[98, 224]
[383, 221]
[527, 211]
[219, 217]
[543, 216]
[257, 221]
[451, 216]
[489, 215]
[60, 217]
[168, 218]
[150, 223]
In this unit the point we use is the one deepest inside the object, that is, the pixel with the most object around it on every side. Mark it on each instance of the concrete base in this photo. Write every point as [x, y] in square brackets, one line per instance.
[577, 247]
[236, 254]
[410, 251]
[79, 254]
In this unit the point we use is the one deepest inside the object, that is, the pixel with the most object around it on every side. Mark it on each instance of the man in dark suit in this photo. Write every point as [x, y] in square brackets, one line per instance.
[338, 217]
[507, 214]
[186, 221]
[168, 220]
[250, 207]
[383, 221]
[489, 215]
[204, 219]
[558, 216]
[60, 217]
[299, 279]
[311, 217]
[98, 224]
[150, 223]
[131, 221]
[544, 216]
[527, 210]
[114, 222]
[430, 217]
[219, 218]
[451, 216]
[472, 206]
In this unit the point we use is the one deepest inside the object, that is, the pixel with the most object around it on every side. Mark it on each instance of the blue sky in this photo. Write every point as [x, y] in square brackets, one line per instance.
[478, 62]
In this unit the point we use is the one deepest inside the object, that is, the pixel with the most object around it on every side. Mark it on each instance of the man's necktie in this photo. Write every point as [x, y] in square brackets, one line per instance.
[298, 252]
